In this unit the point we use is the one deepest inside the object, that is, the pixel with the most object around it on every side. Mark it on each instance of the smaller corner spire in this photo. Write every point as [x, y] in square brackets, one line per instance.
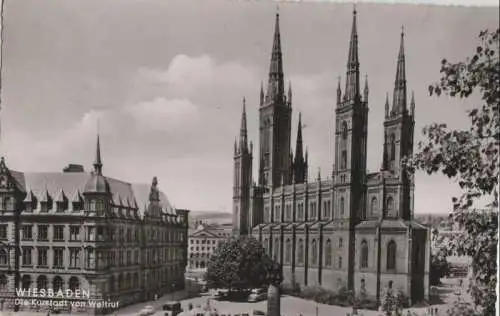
[387, 104]
[98, 160]
[243, 128]
[366, 90]
[339, 92]
[412, 104]
[261, 93]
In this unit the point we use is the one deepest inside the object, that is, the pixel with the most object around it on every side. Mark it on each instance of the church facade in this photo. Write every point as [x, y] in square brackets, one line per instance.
[353, 230]
[89, 235]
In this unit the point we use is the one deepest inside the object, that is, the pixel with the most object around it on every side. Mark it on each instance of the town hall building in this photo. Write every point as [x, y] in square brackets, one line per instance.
[354, 230]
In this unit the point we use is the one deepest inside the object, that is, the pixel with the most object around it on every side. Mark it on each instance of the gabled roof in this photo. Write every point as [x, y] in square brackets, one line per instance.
[203, 233]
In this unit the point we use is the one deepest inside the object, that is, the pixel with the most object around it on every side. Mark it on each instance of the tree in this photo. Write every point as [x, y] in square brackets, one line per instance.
[241, 263]
[471, 157]
[439, 268]
[392, 302]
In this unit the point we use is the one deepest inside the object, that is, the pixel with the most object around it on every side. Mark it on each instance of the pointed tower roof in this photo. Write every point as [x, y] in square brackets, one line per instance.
[387, 104]
[243, 128]
[366, 90]
[76, 197]
[98, 161]
[60, 197]
[299, 151]
[412, 104]
[30, 197]
[45, 196]
[399, 97]
[275, 89]
[352, 79]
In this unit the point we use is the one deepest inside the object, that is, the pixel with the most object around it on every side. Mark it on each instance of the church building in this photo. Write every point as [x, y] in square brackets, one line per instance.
[354, 229]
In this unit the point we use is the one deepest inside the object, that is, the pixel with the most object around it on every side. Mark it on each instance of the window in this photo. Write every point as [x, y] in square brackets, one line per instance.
[327, 209]
[3, 232]
[391, 255]
[74, 233]
[314, 252]
[342, 206]
[392, 152]
[41, 282]
[74, 258]
[58, 257]
[3, 257]
[288, 208]
[312, 205]
[27, 232]
[328, 253]
[373, 206]
[364, 254]
[343, 161]
[277, 215]
[44, 207]
[90, 233]
[265, 244]
[276, 249]
[288, 250]
[58, 232]
[60, 206]
[363, 286]
[74, 284]
[42, 257]
[300, 252]
[57, 284]
[390, 207]
[340, 262]
[8, 204]
[267, 216]
[43, 232]
[27, 256]
[341, 243]
[26, 282]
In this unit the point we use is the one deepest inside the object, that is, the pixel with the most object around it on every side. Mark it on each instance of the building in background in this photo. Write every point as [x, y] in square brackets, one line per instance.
[202, 243]
[120, 241]
[209, 217]
[352, 230]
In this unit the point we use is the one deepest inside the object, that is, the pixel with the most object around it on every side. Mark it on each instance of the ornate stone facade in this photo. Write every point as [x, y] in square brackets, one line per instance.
[119, 241]
[354, 229]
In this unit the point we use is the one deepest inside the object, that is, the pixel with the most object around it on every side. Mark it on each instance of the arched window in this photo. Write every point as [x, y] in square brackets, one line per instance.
[340, 263]
[26, 282]
[342, 206]
[373, 206]
[266, 246]
[314, 252]
[389, 207]
[74, 284]
[288, 251]
[341, 243]
[390, 284]
[391, 255]
[3, 283]
[328, 253]
[112, 285]
[344, 131]
[392, 143]
[300, 252]
[276, 249]
[3, 257]
[364, 254]
[363, 285]
[57, 283]
[41, 282]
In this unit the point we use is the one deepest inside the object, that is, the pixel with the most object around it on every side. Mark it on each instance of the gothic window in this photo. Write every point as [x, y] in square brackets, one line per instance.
[342, 206]
[288, 251]
[276, 249]
[314, 252]
[364, 254]
[26, 282]
[391, 255]
[277, 214]
[266, 246]
[3, 257]
[340, 262]
[392, 143]
[344, 131]
[266, 214]
[300, 252]
[3, 283]
[390, 207]
[74, 284]
[312, 205]
[41, 282]
[343, 157]
[363, 285]
[57, 283]
[341, 243]
[373, 206]
[328, 253]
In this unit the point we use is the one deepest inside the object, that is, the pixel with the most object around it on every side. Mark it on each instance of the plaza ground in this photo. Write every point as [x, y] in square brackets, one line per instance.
[290, 306]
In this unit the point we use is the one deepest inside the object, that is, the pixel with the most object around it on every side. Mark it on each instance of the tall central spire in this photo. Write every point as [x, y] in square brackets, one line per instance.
[399, 98]
[276, 89]
[98, 162]
[243, 128]
[352, 79]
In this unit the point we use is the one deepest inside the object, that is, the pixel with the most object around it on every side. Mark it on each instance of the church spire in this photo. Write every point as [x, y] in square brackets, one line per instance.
[261, 93]
[339, 92]
[299, 164]
[243, 128]
[352, 79]
[299, 153]
[276, 90]
[399, 98]
[386, 104]
[98, 161]
[366, 90]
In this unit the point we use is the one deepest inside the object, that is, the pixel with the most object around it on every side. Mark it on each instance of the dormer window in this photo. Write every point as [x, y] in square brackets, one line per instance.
[100, 207]
[60, 206]
[44, 207]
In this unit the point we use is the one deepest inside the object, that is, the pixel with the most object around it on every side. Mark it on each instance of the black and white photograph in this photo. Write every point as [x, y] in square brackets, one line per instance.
[249, 158]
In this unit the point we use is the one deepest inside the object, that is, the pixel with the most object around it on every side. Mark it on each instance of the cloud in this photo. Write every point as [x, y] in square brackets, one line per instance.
[164, 114]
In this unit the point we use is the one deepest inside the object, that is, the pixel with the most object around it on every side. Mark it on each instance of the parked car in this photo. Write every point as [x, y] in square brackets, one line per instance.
[172, 308]
[220, 294]
[146, 311]
[257, 295]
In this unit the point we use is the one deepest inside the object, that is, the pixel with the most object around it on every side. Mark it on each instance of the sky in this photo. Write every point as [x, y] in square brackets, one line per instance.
[163, 81]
